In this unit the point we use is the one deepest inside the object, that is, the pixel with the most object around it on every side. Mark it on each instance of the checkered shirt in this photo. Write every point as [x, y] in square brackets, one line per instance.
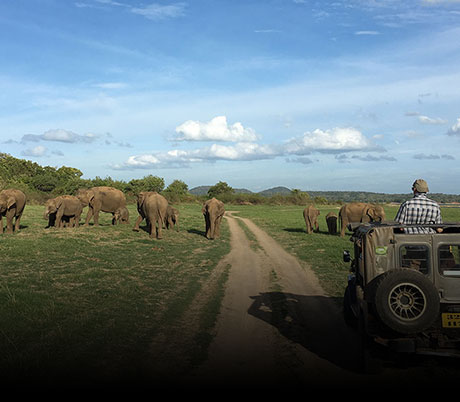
[419, 209]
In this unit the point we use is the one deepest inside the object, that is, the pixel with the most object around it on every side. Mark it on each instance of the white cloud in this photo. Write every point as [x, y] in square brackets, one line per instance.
[241, 151]
[367, 33]
[59, 135]
[331, 141]
[175, 158]
[37, 151]
[455, 129]
[158, 12]
[215, 130]
[433, 156]
[429, 120]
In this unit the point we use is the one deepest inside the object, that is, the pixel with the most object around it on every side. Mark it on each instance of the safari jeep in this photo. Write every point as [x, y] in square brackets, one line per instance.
[404, 289]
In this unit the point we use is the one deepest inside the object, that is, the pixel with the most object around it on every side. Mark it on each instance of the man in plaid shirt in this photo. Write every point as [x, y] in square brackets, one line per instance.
[419, 209]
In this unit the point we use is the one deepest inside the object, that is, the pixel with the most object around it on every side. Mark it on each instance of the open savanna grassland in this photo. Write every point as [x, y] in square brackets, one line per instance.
[87, 302]
[321, 251]
[94, 304]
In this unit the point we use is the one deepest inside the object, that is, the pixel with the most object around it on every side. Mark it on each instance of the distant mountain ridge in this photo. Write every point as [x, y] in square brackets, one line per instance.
[344, 196]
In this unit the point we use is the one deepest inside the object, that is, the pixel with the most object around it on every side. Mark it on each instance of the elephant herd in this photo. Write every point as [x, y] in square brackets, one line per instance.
[352, 212]
[154, 208]
[66, 210]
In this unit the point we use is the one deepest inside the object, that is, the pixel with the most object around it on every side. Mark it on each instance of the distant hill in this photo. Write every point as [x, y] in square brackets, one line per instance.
[203, 190]
[275, 190]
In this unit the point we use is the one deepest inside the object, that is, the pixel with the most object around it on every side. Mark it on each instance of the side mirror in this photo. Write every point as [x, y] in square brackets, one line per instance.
[346, 256]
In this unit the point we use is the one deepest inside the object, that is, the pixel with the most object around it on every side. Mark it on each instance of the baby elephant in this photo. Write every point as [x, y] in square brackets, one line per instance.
[61, 209]
[121, 215]
[172, 217]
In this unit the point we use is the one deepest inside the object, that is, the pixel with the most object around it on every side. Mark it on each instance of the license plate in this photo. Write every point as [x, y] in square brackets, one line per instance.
[451, 320]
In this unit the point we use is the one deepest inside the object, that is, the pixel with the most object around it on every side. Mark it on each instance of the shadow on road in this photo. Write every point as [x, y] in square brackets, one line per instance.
[315, 322]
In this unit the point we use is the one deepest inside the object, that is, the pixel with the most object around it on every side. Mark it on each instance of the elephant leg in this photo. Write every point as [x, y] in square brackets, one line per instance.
[160, 222]
[9, 222]
[343, 223]
[89, 215]
[137, 223]
[217, 227]
[208, 225]
[309, 227]
[9, 226]
[212, 229]
[59, 221]
[96, 217]
[17, 223]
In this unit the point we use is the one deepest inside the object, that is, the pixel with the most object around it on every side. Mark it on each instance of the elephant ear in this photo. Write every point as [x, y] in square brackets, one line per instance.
[365, 216]
[58, 202]
[371, 213]
[141, 197]
[10, 202]
[91, 194]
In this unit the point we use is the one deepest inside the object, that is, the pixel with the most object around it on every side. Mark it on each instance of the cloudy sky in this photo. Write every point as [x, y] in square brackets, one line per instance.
[315, 95]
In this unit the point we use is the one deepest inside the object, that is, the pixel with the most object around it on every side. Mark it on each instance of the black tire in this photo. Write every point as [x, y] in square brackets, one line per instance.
[406, 301]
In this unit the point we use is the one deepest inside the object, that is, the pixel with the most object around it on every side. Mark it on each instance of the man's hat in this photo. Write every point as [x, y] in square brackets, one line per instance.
[420, 185]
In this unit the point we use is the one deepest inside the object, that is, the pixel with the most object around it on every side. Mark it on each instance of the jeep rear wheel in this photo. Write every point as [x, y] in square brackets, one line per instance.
[406, 301]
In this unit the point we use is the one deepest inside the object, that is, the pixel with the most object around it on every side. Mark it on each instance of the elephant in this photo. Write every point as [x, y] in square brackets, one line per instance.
[121, 215]
[359, 212]
[12, 204]
[213, 211]
[310, 214]
[65, 208]
[331, 221]
[151, 206]
[172, 217]
[105, 199]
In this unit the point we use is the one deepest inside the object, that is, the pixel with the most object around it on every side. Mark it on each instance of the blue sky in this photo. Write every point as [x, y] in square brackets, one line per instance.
[315, 95]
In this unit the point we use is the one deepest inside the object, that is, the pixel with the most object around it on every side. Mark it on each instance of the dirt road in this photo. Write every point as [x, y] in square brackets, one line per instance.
[276, 326]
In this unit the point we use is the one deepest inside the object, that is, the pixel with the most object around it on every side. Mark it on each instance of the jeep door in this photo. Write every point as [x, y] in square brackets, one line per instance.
[446, 250]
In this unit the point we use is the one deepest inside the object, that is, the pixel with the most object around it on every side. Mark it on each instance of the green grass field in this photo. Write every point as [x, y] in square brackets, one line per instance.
[91, 299]
[94, 297]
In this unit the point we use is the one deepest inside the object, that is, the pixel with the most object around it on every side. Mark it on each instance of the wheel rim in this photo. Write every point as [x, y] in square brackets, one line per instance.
[407, 301]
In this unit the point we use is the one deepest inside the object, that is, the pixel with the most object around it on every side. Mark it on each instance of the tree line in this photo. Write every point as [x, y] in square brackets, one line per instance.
[42, 182]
